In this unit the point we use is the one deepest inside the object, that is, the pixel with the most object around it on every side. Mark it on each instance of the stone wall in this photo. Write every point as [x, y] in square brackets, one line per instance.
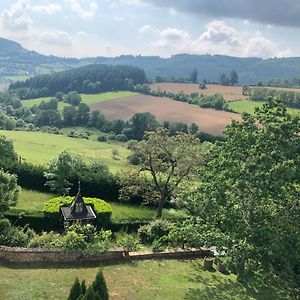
[26, 255]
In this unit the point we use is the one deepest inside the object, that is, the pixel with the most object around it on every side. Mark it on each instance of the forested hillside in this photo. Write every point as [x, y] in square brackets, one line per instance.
[15, 60]
[87, 79]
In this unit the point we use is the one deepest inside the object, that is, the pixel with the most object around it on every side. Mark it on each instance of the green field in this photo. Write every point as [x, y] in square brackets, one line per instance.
[248, 106]
[86, 98]
[17, 77]
[39, 148]
[144, 280]
[34, 201]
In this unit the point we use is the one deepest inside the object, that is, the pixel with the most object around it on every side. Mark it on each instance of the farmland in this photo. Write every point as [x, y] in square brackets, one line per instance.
[86, 98]
[39, 148]
[230, 93]
[165, 109]
[249, 106]
[160, 280]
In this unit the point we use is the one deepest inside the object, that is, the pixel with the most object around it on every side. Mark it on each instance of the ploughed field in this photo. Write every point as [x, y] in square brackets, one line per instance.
[208, 120]
[230, 93]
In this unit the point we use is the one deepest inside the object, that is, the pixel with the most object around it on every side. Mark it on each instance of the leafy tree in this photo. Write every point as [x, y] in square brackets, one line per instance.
[73, 98]
[194, 76]
[7, 151]
[9, 190]
[69, 114]
[168, 160]
[234, 78]
[48, 117]
[141, 123]
[75, 291]
[194, 128]
[100, 286]
[249, 196]
[82, 116]
[59, 171]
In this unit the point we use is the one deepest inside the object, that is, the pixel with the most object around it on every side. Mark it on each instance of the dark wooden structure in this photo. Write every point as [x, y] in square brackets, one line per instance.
[78, 212]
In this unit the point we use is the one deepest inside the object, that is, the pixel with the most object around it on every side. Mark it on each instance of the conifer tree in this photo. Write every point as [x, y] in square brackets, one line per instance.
[75, 291]
[100, 286]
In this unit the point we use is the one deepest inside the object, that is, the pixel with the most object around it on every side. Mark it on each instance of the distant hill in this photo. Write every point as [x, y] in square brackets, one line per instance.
[15, 60]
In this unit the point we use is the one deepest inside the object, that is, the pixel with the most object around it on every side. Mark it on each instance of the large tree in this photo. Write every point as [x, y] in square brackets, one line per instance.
[249, 197]
[167, 161]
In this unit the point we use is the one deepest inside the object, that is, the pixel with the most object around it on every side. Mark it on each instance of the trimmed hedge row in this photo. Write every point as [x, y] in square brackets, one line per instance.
[102, 209]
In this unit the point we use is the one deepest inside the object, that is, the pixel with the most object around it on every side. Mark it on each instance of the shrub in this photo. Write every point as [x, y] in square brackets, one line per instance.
[102, 209]
[129, 243]
[155, 230]
[73, 242]
[49, 240]
[102, 138]
[14, 236]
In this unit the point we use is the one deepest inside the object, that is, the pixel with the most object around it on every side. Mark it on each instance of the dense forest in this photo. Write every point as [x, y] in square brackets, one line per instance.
[87, 79]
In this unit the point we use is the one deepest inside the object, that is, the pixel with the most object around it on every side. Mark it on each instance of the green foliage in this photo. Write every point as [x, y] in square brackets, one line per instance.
[76, 290]
[155, 230]
[168, 160]
[59, 172]
[7, 151]
[249, 195]
[90, 294]
[129, 243]
[9, 190]
[100, 286]
[14, 236]
[48, 240]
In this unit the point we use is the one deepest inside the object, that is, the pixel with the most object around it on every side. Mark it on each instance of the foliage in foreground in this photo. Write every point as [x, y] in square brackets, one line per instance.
[248, 202]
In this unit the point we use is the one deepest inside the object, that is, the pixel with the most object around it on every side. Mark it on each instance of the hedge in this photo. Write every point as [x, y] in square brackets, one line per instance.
[36, 220]
[102, 209]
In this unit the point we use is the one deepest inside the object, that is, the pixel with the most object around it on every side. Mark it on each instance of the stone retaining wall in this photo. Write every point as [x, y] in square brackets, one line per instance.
[26, 255]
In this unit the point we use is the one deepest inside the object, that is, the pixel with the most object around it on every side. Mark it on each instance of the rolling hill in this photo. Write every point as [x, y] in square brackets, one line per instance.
[15, 60]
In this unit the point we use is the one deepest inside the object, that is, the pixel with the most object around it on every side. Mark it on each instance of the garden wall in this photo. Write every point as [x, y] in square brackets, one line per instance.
[25, 255]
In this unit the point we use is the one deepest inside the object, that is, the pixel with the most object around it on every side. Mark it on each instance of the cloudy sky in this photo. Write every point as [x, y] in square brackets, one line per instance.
[78, 28]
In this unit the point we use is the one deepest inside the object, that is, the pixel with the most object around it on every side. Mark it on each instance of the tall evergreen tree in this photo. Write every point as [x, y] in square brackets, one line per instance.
[75, 291]
[100, 286]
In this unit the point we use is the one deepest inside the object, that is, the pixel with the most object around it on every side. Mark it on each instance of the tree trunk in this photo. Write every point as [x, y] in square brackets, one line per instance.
[160, 207]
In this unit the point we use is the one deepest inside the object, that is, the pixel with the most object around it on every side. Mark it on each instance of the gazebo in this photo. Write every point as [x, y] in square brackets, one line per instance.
[78, 212]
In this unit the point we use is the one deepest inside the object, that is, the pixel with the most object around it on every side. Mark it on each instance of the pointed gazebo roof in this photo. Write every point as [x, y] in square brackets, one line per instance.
[78, 210]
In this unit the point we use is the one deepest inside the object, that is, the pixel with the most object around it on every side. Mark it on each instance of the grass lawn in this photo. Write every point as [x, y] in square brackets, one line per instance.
[248, 106]
[17, 77]
[34, 201]
[145, 280]
[86, 98]
[39, 148]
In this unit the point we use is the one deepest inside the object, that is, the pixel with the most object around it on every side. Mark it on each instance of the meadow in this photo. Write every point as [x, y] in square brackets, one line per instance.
[248, 106]
[86, 98]
[34, 201]
[146, 280]
[39, 148]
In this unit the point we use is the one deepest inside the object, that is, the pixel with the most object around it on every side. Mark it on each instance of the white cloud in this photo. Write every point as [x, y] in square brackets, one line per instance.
[56, 37]
[16, 17]
[86, 12]
[49, 9]
[218, 38]
[119, 19]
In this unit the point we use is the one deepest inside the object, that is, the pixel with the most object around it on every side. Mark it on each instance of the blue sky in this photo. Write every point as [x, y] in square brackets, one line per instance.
[79, 28]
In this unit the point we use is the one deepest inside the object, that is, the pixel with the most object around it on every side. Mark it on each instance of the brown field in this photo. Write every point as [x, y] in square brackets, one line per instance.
[208, 120]
[230, 93]
[3, 86]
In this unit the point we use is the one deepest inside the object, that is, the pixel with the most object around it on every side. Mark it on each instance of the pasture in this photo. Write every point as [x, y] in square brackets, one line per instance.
[86, 98]
[208, 120]
[230, 93]
[146, 280]
[34, 201]
[39, 148]
[248, 106]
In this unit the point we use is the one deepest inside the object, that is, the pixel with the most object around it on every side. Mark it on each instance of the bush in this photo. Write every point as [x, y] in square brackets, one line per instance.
[102, 138]
[155, 230]
[49, 240]
[76, 290]
[102, 209]
[100, 286]
[129, 243]
[14, 236]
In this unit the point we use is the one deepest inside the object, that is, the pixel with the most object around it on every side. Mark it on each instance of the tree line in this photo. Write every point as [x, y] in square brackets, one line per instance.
[88, 79]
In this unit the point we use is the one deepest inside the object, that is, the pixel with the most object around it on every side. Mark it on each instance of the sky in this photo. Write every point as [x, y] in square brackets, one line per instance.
[81, 28]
